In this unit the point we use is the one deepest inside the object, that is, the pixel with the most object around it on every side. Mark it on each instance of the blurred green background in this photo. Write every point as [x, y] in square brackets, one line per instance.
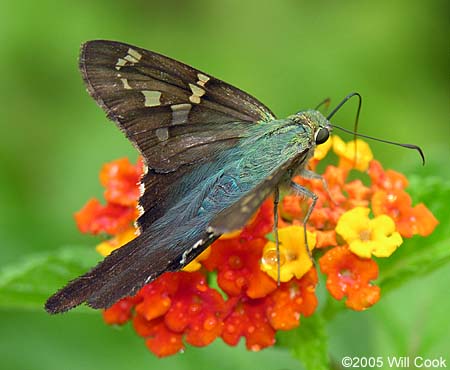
[289, 54]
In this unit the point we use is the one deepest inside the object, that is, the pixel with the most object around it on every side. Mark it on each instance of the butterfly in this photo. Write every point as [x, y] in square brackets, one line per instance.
[212, 155]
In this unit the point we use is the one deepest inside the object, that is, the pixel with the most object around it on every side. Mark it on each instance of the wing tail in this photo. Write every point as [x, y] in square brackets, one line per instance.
[128, 268]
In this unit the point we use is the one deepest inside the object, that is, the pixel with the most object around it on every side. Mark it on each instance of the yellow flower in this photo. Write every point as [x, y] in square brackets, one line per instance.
[294, 259]
[195, 264]
[321, 150]
[367, 236]
[346, 153]
[105, 248]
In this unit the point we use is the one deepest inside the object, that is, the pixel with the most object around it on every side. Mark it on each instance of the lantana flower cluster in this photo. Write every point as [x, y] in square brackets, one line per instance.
[235, 288]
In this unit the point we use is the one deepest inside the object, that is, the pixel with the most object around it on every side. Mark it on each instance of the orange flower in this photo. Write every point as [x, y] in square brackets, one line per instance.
[155, 299]
[95, 218]
[159, 339]
[358, 194]
[120, 312]
[387, 180]
[326, 238]
[197, 310]
[248, 319]
[120, 178]
[350, 276]
[409, 220]
[330, 205]
[292, 299]
[178, 305]
[390, 198]
[291, 207]
[262, 224]
[237, 265]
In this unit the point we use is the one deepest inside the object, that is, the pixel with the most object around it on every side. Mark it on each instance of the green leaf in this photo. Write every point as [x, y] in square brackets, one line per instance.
[308, 343]
[421, 255]
[28, 283]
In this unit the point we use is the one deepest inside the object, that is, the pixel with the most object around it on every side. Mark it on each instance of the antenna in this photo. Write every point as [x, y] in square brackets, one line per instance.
[355, 131]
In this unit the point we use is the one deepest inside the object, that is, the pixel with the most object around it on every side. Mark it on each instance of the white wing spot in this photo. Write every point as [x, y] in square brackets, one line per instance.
[150, 278]
[151, 98]
[145, 169]
[141, 189]
[202, 79]
[180, 113]
[125, 84]
[140, 210]
[120, 63]
[136, 55]
[187, 251]
[131, 58]
[197, 92]
[162, 133]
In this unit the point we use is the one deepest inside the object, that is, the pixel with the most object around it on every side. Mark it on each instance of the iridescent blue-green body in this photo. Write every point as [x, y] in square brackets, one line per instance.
[213, 153]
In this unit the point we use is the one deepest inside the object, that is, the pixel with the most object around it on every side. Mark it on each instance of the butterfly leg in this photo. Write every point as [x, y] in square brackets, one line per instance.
[276, 200]
[315, 176]
[300, 190]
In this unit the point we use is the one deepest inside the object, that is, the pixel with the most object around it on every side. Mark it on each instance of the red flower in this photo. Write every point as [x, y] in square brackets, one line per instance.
[350, 276]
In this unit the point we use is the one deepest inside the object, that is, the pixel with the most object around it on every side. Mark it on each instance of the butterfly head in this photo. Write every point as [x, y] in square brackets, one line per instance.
[317, 122]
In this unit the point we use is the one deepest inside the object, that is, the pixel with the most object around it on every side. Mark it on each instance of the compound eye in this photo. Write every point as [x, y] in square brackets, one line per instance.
[322, 135]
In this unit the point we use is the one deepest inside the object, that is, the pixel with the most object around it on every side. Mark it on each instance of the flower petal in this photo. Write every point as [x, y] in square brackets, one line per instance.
[350, 276]
[294, 258]
[346, 153]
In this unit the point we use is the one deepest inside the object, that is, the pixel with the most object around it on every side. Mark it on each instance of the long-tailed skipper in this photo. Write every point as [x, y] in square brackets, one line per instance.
[212, 153]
